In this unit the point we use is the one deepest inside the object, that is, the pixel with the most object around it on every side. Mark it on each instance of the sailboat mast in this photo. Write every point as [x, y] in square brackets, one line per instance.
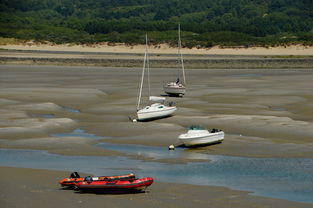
[143, 73]
[148, 65]
[180, 53]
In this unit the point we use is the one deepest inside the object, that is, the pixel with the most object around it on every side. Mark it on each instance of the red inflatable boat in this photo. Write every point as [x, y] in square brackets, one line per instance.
[75, 178]
[126, 185]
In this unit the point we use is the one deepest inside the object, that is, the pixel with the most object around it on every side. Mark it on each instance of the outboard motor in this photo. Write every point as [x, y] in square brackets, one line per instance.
[74, 175]
[214, 130]
[77, 175]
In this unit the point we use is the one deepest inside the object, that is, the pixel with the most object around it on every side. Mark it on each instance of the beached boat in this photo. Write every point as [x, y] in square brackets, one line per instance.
[198, 136]
[174, 88]
[157, 107]
[76, 178]
[122, 185]
[177, 88]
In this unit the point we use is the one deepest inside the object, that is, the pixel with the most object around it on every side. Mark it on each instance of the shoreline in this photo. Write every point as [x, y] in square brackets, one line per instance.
[157, 60]
[203, 64]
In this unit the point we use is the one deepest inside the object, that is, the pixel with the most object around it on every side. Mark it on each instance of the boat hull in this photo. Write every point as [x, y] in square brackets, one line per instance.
[174, 90]
[213, 138]
[137, 184]
[143, 115]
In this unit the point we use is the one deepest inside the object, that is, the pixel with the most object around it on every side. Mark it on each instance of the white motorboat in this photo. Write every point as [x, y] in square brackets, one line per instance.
[177, 88]
[156, 108]
[198, 136]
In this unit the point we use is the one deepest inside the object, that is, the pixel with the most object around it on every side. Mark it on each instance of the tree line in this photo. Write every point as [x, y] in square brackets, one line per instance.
[204, 23]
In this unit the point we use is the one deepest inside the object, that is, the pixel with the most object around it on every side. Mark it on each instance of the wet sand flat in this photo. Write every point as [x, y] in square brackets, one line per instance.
[264, 113]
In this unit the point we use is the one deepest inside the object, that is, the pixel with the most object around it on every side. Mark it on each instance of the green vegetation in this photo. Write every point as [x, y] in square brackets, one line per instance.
[204, 23]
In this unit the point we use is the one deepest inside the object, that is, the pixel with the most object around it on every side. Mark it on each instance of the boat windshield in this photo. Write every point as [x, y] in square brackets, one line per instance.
[195, 127]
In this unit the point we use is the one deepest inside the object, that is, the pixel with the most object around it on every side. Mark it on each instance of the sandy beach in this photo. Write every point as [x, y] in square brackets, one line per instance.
[297, 50]
[265, 114]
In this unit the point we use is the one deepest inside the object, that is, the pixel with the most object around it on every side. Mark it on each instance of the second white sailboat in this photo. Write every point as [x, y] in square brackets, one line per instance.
[177, 88]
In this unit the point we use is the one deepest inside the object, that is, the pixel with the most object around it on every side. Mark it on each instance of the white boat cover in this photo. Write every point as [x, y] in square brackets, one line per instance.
[156, 99]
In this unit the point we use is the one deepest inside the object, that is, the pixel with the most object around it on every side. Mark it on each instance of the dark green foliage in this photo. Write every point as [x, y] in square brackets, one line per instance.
[204, 22]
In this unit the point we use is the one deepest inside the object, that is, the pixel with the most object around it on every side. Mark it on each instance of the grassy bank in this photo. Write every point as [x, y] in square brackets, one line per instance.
[244, 63]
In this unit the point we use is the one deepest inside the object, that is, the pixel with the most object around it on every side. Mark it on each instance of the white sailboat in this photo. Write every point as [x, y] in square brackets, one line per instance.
[157, 108]
[177, 88]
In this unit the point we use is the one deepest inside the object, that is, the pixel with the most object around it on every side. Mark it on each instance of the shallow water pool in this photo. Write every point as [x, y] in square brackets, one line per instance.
[77, 132]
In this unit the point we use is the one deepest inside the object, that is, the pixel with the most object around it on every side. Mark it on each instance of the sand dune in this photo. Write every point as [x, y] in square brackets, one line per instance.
[165, 49]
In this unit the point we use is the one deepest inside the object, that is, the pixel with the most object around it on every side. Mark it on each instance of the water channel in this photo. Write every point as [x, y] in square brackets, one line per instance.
[284, 178]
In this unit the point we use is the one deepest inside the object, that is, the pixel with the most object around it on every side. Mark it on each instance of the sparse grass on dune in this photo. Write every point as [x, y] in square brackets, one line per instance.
[7, 41]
